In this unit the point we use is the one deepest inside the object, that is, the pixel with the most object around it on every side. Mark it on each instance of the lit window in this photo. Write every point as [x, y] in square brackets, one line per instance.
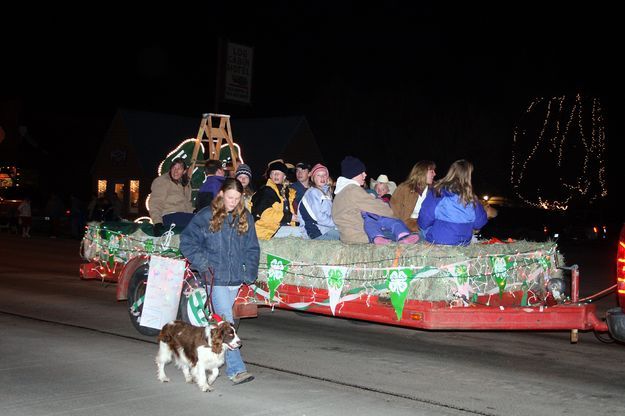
[134, 197]
[101, 187]
[119, 190]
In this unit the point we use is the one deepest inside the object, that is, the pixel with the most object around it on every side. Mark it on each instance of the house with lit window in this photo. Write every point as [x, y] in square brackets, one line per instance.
[138, 141]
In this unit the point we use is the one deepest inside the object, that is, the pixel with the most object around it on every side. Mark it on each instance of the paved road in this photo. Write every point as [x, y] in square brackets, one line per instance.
[68, 348]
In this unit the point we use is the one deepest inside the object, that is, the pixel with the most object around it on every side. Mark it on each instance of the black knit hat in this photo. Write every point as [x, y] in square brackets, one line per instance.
[243, 169]
[352, 167]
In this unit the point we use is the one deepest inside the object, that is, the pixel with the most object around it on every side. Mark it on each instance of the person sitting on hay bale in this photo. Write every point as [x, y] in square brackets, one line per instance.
[359, 216]
[383, 188]
[215, 176]
[315, 209]
[407, 200]
[451, 211]
[272, 205]
[244, 175]
[170, 200]
[303, 182]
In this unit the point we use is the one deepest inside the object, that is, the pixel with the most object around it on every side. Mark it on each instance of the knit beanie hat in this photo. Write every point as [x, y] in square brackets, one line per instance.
[243, 169]
[318, 168]
[352, 167]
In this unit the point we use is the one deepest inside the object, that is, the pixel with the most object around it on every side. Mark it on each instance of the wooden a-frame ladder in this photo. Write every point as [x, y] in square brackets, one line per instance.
[213, 137]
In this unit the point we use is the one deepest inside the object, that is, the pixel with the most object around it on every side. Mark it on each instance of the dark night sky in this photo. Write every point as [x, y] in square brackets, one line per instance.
[393, 83]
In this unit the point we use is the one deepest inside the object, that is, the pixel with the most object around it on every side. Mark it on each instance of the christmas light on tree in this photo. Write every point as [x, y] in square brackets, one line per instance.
[558, 153]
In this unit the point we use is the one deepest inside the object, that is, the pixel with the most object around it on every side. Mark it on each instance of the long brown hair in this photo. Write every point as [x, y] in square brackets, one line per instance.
[417, 179]
[219, 209]
[458, 181]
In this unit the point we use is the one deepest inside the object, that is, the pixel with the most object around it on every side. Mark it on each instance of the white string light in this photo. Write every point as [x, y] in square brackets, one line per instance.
[566, 133]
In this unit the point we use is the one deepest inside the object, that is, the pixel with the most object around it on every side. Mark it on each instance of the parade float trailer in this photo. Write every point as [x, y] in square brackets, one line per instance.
[488, 285]
[485, 286]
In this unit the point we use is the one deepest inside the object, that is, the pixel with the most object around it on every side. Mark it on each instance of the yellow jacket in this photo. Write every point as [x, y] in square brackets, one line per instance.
[269, 209]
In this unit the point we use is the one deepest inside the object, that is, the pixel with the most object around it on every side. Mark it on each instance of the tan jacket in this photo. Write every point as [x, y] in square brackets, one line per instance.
[349, 202]
[168, 197]
[403, 202]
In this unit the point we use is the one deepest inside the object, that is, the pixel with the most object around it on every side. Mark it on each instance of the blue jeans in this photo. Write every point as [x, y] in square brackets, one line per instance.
[333, 234]
[223, 299]
[287, 231]
[377, 225]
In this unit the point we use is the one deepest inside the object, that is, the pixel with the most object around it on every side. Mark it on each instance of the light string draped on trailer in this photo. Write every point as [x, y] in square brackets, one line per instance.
[398, 277]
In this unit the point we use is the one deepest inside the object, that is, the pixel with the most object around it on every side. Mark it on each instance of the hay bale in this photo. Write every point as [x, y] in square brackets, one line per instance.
[122, 241]
[442, 272]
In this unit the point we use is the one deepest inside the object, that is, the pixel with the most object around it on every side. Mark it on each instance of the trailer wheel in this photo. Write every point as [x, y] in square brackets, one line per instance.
[191, 309]
[136, 293]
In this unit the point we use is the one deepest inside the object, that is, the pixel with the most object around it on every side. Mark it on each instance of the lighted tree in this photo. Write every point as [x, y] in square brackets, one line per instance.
[558, 153]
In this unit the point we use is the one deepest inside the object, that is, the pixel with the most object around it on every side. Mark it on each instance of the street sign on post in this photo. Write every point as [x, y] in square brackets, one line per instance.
[238, 73]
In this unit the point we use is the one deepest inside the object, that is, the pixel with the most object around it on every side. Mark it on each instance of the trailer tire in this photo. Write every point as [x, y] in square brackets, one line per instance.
[191, 309]
[136, 292]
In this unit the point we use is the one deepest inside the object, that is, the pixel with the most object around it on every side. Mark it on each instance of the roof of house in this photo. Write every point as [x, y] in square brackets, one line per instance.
[154, 135]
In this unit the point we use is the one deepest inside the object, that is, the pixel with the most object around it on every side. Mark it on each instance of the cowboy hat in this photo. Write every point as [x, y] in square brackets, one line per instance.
[384, 179]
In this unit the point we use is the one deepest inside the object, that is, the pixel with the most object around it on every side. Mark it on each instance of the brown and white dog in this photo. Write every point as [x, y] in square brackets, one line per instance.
[195, 350]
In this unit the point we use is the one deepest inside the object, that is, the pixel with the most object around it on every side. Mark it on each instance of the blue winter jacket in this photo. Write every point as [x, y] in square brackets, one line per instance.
[315, 212]
[208, 191]
[233, 257]
[445, 220]
[300, 190]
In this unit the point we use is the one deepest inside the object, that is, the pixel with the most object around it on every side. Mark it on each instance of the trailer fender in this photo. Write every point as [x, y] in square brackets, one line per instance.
[126, 274]
[616, 323]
